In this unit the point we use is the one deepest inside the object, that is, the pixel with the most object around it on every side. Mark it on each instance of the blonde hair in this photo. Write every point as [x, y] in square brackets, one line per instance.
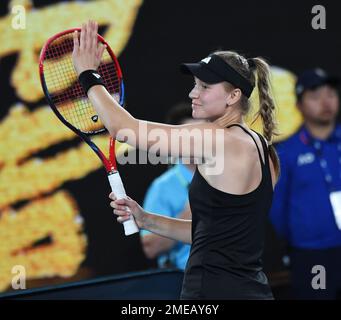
[256, 69]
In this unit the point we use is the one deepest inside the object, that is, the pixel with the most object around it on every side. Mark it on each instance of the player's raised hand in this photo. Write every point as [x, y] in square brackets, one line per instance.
[87, 51]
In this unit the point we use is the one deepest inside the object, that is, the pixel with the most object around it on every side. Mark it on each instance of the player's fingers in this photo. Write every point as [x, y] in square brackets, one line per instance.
[130, 203]
[88, 42]
[83, 37]
[121, 213]
[122, 201]
[100, 49]
[112, 196]
[122, 219]
[123, 205]
[94, 36]
[95, 30]
[75, 41]
[114, 205]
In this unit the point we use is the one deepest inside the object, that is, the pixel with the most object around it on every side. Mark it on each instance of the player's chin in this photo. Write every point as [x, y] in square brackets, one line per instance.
[197, 114]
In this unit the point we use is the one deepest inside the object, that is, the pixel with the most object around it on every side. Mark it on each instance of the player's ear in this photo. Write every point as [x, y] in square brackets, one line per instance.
[233, 96]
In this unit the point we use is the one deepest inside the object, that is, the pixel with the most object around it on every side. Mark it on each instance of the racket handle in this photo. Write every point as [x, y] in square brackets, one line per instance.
[130, 226]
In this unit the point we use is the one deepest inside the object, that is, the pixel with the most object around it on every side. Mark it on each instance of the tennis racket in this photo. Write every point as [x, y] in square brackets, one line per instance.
[71, 105]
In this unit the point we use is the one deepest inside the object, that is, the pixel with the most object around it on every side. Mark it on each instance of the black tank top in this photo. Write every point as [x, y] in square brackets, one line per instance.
[228, 233]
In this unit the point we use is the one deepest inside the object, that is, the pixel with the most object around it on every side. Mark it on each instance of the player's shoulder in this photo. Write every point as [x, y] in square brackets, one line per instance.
[238, 138]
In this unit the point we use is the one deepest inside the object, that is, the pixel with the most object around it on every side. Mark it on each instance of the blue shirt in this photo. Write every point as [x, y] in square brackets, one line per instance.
[301, 210]
[168, 195]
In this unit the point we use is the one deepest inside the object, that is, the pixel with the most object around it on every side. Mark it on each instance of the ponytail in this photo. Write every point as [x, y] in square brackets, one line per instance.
[266, 107]
[254, 69]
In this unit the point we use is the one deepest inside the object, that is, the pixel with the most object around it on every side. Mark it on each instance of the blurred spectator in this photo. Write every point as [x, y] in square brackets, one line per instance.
[168, 195]
[307, 202]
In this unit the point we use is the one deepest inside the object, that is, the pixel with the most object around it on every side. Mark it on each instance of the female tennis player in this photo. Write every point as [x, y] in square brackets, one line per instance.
[229, 209]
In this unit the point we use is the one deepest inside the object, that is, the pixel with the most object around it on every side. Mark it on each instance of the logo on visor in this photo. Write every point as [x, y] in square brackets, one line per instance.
[206, 60]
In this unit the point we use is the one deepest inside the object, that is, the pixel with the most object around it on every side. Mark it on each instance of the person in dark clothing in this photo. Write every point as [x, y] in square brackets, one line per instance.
[231, 191]
[306, 209]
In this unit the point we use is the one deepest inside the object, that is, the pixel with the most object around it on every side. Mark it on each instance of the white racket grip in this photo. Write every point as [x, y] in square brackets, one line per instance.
[117, 187]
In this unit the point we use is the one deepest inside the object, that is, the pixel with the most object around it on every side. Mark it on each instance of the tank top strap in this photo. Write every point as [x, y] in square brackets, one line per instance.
[247, 132]
[265, 147]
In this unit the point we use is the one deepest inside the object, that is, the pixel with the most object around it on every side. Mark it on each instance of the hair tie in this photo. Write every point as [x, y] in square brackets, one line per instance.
[251, 63]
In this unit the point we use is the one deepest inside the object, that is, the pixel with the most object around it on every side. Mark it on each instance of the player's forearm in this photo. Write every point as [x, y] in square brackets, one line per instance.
[153, 245]
[176, 229]
[163, 244]
[113, 116]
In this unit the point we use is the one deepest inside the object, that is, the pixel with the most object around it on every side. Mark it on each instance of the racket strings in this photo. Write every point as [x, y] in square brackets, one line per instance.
[65, 91]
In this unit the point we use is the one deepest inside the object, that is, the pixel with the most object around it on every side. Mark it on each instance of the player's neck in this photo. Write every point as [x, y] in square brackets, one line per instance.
[320, 131]
[229, 119]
